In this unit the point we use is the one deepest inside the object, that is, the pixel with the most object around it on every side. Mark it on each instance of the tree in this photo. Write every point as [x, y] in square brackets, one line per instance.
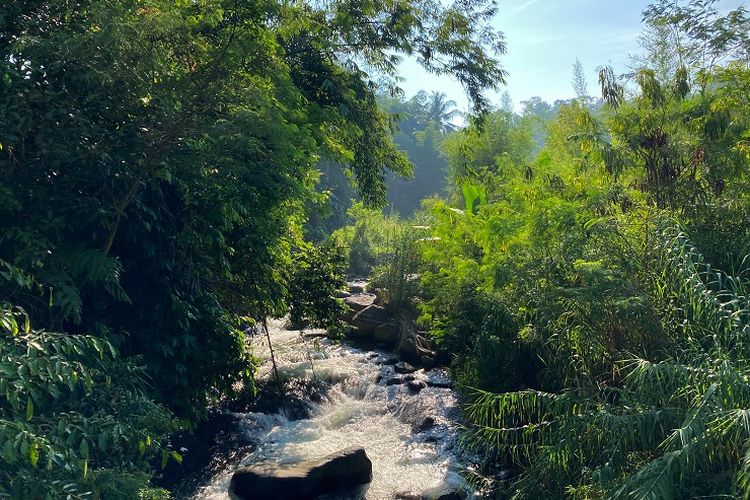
[441, 111]
[694, 35]
[489, 152]
[75, 417]
[159, 188]
[419, 136]
[538, 107]
[580, 86]
[506, 103]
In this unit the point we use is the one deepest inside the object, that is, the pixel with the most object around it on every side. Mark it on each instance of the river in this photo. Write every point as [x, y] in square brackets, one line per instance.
[409, 434]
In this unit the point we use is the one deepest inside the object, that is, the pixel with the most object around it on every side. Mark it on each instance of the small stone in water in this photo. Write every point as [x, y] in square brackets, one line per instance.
[404, 367]
[416, 385]
[405, 495]
[449, 496]
[426, 424]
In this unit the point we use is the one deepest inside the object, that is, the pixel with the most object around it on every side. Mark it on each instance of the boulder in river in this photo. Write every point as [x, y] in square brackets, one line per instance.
[416, 385]
[427, 362]
[407, 495]
[359, 301]
[387, 333]
[369, 318]
[358, 286]
[426, 424]
[390, 360]
[413, 346]
[443, 357]
[345, 469]
[453, 495]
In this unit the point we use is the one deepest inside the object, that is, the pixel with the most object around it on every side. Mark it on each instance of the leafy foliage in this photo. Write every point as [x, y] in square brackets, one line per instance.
[368, 240]
[73, 414]
[593, 292]
[159, 188]
[318, 273]
[669, 429]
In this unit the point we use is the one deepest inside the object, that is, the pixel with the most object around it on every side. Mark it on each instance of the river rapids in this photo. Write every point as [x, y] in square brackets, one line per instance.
[409, 434]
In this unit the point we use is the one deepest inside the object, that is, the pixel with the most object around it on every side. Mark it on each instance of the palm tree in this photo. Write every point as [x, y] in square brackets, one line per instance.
[441, 110]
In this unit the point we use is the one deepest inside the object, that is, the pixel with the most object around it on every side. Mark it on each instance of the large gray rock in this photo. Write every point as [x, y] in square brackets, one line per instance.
[453, 495]
[404, 367]
[427, 362]
[387, 333]
[416, 385]
[369, 318]
[345, 469]
[359, 301]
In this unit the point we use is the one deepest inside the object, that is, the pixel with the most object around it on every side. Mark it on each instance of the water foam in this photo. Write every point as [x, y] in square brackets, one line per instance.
[355, 412]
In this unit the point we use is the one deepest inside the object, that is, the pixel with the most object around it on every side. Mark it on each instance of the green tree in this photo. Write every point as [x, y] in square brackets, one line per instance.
[488, 152]
[441, 111]
[76, 419]
[159, 157]
[693, 34]
[580, 85]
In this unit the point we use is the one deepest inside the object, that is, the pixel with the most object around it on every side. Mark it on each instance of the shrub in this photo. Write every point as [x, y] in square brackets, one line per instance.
[675, 426]
[397, 275]
[317, 274]
[368, 239]
[75, 418]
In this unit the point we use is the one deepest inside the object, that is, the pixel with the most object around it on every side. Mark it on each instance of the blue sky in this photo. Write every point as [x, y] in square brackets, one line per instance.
[544, 38]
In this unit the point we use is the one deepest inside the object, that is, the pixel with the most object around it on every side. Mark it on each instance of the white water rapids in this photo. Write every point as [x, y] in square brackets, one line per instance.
[359, 409]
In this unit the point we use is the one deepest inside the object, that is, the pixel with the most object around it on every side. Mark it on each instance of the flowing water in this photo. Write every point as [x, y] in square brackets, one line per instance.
[358, 408]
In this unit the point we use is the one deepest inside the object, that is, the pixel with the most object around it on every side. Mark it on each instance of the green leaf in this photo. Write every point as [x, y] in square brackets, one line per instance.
[102, 441]
[34, 454]
[84, 448]
[9, 452]
[474, 195]
[29, 409]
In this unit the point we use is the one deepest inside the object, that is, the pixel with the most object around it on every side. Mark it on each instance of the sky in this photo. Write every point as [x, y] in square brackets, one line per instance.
[544, 39]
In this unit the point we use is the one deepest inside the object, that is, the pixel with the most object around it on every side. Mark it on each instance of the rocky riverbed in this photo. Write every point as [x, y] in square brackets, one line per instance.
[402, 415]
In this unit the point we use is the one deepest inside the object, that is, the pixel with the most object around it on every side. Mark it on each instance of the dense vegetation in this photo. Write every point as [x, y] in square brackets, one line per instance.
[590, 276]
[159, 160]
[585, 263]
